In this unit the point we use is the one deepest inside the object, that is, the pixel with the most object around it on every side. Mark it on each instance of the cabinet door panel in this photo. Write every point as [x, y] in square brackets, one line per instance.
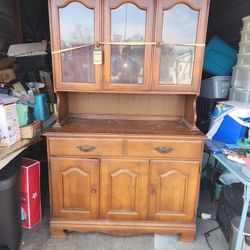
[75, 28]
[127, 67]
[75, 188]
[173, 190]
[178, 61]
[124, 188]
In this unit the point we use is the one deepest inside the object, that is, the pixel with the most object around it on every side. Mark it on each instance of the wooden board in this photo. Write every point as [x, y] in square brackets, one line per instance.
[126, 104]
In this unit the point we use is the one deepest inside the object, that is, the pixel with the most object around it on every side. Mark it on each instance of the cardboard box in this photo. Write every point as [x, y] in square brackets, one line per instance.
[9, 128]
[7, 75]
[30, 193]
[31, 130]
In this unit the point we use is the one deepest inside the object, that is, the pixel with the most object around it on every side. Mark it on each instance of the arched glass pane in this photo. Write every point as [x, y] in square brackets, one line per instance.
[179, 24]
[77, 29]
[179, 27]
[76, 25]
[128, 24]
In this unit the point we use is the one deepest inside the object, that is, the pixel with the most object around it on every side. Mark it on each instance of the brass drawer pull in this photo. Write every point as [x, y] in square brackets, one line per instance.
[153, 191]
[163, 149]
[86, 148]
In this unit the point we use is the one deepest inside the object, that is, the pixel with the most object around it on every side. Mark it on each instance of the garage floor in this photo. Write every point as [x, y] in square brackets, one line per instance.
[38, 237]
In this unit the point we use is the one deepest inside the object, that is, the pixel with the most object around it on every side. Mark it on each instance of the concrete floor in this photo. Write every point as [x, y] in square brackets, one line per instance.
[38, 237]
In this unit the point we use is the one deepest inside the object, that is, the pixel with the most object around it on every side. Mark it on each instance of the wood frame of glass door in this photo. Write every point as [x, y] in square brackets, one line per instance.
[147, 5]
[55, 42]
[197, 5]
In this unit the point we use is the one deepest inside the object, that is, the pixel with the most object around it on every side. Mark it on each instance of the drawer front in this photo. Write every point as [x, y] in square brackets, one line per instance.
[165, 149]
[85, 147]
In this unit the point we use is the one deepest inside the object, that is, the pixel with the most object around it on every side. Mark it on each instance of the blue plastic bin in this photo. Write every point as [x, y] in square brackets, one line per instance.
[41, 108]
[230, 131]
[219, 57]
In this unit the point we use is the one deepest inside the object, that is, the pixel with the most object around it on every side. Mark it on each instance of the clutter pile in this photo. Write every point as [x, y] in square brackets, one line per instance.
[26, 92]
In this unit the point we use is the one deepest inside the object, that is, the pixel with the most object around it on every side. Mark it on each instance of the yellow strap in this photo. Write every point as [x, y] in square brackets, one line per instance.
[72, 48]
[152, 43]
[128, 44]
[185, 44]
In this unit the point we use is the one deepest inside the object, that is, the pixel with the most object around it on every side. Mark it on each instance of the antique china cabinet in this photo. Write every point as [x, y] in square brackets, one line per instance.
[125, 155]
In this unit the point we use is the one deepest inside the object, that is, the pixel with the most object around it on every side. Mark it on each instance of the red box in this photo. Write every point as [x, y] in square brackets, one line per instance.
[30, 193]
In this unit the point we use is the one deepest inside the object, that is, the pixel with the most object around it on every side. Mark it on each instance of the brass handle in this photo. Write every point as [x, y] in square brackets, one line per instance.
[163, 149]
[86, 148]
[153, 192]
[93, 190]
[158, 44]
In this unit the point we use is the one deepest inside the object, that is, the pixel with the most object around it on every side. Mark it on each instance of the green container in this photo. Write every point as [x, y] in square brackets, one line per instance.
[22, 114]
[217, 190]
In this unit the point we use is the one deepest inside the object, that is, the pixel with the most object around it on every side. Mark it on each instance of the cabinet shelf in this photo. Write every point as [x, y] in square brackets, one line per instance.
[116, 127]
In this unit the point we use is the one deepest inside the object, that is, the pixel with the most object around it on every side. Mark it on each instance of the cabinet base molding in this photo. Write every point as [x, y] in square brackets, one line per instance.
[186, 231]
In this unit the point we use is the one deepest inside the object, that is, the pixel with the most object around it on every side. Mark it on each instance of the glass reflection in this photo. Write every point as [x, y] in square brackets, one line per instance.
[77, 29]
[176, 64]
[77, 65]
[180, 24]
[76, 25]
[179, 27]
[127, 64]
[128, 24]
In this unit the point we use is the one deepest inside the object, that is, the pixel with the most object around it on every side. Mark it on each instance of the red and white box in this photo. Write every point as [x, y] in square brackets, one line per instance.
[30, 193]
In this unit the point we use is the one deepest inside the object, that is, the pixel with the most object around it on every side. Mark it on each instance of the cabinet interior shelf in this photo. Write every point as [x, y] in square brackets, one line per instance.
[122, 126]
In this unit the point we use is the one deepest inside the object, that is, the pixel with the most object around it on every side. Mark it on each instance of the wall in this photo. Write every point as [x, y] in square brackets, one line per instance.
[225, 19]
[35, 20]
[7, 25]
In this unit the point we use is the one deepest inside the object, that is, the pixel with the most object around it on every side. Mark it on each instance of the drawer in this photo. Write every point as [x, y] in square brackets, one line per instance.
[85, 146]
[165, 149]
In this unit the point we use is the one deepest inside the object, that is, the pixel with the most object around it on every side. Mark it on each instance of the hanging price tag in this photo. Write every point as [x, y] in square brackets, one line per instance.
[97, 56]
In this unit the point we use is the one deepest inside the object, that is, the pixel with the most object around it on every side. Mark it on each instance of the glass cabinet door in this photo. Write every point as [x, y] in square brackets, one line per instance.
[78, 26]
[127, 26]
[178, 58]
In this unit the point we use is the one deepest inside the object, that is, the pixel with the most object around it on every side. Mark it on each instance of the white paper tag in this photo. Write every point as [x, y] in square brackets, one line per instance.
[97, 56]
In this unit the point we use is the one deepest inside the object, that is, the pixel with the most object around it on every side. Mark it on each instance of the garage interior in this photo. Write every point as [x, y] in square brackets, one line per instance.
[27, 21]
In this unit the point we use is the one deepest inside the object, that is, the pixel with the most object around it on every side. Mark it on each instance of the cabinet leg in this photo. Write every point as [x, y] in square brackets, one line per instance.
[187, 236]
[57, 233]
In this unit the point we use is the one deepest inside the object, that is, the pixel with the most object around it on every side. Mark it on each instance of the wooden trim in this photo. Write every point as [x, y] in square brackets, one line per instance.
[125, 117]
[190, 111]
[62, 108]
[130, 91]
[193, 4]
[187, 230]
[65, 3]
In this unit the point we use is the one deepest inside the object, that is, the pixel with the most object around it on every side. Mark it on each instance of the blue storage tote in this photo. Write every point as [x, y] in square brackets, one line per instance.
[219, 57]
[230, 131]
[41, 108]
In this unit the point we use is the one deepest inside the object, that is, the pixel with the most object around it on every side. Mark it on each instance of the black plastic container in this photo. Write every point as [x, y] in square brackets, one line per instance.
[34, 63]
[10, 208]
[205, 108]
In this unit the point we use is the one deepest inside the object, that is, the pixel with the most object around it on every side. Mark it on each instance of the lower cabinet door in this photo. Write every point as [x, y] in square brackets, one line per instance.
[75, 188]
[173, 190]
[124, 189]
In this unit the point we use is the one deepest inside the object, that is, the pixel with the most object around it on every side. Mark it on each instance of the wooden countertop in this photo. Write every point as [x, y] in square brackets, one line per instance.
[112, 127]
